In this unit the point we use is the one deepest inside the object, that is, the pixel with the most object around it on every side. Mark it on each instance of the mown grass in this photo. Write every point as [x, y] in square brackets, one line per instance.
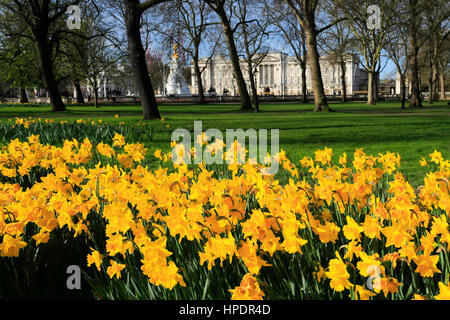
[384, 127]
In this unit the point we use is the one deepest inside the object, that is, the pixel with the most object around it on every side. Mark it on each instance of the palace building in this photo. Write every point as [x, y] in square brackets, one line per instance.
[281, 75]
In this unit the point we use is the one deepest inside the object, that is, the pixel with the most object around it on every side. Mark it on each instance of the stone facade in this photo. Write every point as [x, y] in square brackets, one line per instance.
[280, 74]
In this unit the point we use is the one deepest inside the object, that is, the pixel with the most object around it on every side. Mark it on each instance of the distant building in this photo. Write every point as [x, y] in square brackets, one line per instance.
[280, 74]
[388, 87]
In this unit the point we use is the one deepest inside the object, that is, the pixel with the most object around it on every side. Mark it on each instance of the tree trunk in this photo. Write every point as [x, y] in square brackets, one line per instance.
[403, 90]
[370, 88]
[442, 85]
[435, 83]
[416, 99]
[303, 64]
[95, 96]
[198, 76]
[435, 70]
[51, 85]
[255, 98]
[343, 81]
[430, 87]
[376, 86]
[320, 100]
[23, 95]
[304, 85]
[430, 81]
[229, 37]
[136, 55]
[80, 98]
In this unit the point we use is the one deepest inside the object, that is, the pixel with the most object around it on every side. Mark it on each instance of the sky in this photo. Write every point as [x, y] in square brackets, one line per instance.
[389, 69]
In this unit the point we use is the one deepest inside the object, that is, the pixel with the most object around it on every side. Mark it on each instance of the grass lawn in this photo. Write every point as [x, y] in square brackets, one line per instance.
[377, 129]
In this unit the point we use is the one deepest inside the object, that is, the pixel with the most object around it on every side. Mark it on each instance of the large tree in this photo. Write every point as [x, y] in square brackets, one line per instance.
[306, 12]
[444, 63]
[224, 9]
[46, 27]
[18, 54]
[413, 30]
[133, 11]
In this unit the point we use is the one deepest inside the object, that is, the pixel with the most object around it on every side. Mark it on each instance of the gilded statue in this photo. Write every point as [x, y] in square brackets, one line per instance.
[175, 51]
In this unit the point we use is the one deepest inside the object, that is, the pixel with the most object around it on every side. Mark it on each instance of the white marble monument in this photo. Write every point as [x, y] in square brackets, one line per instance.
[176, 83]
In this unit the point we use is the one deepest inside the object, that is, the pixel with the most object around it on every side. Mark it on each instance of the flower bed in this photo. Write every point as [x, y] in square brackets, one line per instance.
[354, 229]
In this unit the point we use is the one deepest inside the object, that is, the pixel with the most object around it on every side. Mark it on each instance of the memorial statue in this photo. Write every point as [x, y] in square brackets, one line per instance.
[176, 83]
[175, 54]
